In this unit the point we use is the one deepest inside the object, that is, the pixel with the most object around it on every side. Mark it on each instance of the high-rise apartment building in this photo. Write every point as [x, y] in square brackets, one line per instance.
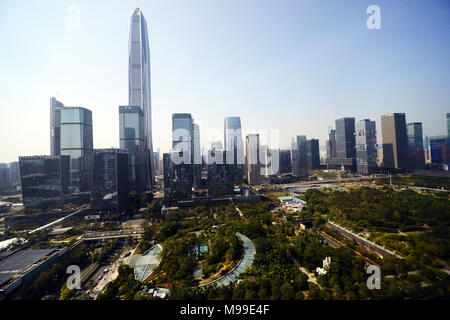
[366, 146]
[394, 138]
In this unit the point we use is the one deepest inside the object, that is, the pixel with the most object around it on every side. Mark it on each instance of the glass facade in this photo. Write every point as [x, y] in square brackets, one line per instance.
[312, 154]
[440, 150]
[139, 93]
[182, 156]
[110, 180]
[366, 146]
[77, 142]
[55, 126]
[132, 139]
[219, 180]
[331, 144]
[197, 154]
[285, 161]
[394, 136]
[299, 156]
[253, 160]
[448, 124]
[416, 154]
[45, 179]
[234, 145]
[345, 138]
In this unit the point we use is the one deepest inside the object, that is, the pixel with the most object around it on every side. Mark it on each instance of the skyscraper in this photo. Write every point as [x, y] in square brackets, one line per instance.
[182, 155]
[331, 143]
[299, 156]
[416, 155]
[197, 155]
[253, 160]
[394, 137]
[440, 151]
[285, 161]
[448, 124]
[366, 146]
[55, 126]
[77, 142]
[234, 145]
[132, 139]
[168, 172]
[312, 154]
[345, 145]
[139, 84]
[110, 180]
[45, 179]
[219, 181]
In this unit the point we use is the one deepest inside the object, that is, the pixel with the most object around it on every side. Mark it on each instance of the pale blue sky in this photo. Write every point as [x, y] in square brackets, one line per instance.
[293, 65]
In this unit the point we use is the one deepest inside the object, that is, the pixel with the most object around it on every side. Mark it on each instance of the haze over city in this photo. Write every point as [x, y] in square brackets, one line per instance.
[293, 66]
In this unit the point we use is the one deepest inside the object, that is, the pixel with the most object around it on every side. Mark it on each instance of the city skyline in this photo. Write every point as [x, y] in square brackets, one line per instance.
[293, 103]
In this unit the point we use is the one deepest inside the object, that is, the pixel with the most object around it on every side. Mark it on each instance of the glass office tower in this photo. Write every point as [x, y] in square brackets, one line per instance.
[219, 180]
[285, 161]
[440, 151]
[394, 137]
[182, 155]
[45, 179]
[76, 142]
[234, 145]
[110, 180]
[416, 154]
[366, 146]
[139, 85]
[299, 156]
[331, 144]
[132, 139]
[197, 155]
[253, 159]
[55, 126]
[312, 154]
[345, 146]
[448, 124]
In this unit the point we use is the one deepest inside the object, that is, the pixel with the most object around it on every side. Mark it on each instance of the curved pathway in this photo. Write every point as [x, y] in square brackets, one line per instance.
[246, 261]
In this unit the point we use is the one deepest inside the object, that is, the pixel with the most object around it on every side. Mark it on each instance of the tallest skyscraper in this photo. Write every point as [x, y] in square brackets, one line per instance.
[139, 84]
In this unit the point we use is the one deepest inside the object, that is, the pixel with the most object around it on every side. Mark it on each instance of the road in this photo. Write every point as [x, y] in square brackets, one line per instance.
[315, 182]
[54, 222]
[110, 276]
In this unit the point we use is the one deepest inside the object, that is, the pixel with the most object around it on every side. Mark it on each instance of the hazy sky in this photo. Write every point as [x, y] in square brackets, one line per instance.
[293, 65]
